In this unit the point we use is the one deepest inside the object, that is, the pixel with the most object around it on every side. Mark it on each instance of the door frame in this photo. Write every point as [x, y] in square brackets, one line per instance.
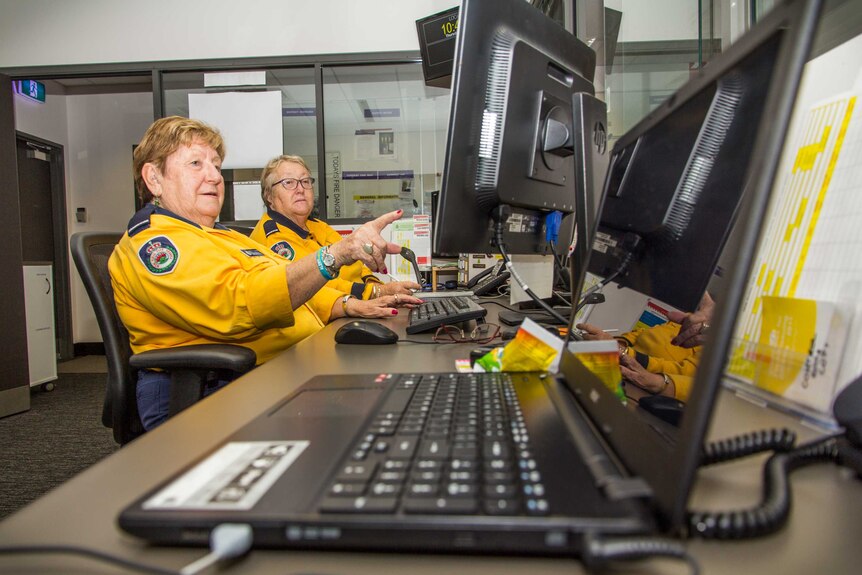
[62, 271]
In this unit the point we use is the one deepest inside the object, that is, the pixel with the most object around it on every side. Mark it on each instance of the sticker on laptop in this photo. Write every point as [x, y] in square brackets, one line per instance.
[233, 478]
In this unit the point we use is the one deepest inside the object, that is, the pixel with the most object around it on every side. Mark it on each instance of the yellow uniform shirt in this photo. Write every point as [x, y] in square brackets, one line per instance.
[176, 283]
[282, 236]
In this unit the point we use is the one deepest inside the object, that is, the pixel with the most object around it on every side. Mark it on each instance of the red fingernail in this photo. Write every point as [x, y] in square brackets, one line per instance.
[394, 312]
[400, 211]
[385, 271]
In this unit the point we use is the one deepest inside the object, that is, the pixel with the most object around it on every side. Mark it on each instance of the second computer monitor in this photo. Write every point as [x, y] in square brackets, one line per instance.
[512, 136]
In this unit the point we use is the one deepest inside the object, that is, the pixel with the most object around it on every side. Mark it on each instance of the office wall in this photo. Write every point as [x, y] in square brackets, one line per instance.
[46, 32]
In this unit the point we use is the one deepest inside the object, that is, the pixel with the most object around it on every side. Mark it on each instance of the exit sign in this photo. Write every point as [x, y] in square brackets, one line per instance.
[30, 89]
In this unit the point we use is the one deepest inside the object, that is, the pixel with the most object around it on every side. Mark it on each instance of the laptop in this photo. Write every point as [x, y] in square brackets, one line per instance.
[538, 462]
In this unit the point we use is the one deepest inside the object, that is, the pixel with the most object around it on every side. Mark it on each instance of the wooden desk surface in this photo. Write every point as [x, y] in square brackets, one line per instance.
[821, 537]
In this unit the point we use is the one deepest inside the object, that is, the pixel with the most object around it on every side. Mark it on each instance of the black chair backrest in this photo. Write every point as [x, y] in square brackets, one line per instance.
[90, 252]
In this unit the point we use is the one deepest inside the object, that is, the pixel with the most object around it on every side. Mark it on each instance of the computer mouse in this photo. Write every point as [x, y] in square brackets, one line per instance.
[365, 332]
[666, 408]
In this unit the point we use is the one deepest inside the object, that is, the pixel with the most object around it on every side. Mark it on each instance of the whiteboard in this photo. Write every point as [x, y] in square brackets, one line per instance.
[249, 122]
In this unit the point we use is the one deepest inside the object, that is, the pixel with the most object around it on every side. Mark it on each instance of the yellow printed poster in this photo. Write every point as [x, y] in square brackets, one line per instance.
[799, 350]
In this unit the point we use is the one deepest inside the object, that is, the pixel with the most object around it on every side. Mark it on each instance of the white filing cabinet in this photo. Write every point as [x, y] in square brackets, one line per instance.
[39, 310]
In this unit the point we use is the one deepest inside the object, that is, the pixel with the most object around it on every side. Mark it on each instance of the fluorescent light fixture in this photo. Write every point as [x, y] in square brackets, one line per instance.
[218, 79]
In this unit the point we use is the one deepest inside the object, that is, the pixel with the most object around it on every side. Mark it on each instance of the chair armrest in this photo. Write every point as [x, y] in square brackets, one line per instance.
[204, 356]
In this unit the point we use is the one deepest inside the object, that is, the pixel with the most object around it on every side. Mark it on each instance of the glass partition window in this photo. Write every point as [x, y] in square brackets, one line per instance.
[385, 139]
[647, 50]
[298, 134]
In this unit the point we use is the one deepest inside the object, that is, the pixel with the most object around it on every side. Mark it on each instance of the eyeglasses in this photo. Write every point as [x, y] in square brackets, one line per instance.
[482, 333]
[291, 183]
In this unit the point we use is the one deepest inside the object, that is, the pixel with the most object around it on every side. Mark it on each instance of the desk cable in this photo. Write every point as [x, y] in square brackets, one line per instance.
[227, 541]
[772, 512]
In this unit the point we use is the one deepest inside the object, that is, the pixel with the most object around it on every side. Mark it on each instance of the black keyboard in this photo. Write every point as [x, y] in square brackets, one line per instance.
[443, 311]
[442, 443]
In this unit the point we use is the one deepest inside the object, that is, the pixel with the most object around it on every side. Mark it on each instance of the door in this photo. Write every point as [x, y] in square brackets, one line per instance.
[14, 373]
[42, 203]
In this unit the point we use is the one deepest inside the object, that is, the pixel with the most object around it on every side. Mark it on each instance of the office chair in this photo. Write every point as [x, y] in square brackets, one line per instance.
[190, 366]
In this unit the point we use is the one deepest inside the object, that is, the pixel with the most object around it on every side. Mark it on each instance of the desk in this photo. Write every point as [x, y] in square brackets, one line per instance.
[822, 536]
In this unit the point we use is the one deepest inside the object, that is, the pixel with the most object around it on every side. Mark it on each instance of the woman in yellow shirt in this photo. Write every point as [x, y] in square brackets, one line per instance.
[288, 229]
[180, 278]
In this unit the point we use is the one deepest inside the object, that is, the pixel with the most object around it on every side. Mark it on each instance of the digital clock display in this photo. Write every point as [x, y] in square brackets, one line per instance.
[437, 36]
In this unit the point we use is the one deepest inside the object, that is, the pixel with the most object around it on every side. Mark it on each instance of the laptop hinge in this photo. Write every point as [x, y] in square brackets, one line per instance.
[626, 488]
[596, 453]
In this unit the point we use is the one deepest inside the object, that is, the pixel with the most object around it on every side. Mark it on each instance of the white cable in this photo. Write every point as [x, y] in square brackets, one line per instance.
[227, 541]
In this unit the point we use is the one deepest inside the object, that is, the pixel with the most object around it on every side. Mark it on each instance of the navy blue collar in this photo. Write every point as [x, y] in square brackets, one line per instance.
[285, 221]
[141, 220]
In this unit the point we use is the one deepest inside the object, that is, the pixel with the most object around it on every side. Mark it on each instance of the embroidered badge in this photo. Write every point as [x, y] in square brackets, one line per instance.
[159, 255]
[283, 249]
[252, 253]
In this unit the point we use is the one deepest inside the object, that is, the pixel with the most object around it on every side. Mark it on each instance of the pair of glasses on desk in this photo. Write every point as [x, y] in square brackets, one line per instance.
[481, 334]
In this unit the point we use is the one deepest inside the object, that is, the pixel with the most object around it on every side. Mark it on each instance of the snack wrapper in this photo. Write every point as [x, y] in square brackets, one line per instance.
[532, 349]
[536, 349]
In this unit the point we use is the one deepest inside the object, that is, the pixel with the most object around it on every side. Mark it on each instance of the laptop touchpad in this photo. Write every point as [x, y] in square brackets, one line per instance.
[329, 403]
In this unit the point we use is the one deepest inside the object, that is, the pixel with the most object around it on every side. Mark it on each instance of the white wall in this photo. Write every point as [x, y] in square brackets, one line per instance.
[48, 32]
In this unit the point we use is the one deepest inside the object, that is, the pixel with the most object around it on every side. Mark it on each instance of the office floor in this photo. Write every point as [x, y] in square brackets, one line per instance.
[58, 437]
[84, 364]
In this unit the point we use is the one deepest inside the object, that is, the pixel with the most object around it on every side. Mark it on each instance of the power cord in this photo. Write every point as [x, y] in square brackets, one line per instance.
[227, 541]
[778, 440]
[598, 552]
[501, 214]
[774, 508]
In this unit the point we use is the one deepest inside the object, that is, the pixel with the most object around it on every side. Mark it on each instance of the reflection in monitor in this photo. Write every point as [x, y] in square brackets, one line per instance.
[677, 178]
[521, 89]
[697, 170]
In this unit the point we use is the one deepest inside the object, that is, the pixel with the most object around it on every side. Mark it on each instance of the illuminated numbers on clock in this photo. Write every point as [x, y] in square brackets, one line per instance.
[449, 28]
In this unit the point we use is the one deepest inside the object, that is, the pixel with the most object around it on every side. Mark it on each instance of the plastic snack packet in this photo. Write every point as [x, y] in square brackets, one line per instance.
[532, 349]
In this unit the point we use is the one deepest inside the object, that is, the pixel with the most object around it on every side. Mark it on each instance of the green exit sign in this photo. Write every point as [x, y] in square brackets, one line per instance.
[30, 89]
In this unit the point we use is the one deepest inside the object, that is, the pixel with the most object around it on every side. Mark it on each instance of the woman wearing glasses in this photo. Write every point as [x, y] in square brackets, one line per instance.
[180, 278]
[288, 230]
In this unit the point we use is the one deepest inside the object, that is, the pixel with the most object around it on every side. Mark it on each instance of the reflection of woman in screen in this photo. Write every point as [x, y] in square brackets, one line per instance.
[662, 359]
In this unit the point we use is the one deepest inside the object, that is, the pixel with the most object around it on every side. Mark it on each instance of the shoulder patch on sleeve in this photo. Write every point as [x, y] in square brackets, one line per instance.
[252, 253]
[283, 249]
[159, 255]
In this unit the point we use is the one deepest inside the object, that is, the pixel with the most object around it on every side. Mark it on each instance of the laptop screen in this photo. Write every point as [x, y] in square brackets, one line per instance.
[684, 200]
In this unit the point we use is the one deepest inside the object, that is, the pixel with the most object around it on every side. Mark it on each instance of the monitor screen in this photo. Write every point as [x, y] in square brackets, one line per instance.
[518, 92]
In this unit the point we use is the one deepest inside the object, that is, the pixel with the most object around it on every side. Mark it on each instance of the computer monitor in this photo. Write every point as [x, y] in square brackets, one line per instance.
[677, 178]
[521, 92]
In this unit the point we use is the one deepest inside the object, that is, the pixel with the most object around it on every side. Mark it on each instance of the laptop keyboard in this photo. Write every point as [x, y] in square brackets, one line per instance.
[442, 443]
[440, 311]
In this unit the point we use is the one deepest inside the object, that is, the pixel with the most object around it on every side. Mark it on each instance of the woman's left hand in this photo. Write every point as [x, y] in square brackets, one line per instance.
[633, 372]
[401, 288]
[380, 307]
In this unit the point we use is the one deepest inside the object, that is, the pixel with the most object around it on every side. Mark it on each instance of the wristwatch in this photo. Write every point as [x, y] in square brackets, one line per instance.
[329, 261]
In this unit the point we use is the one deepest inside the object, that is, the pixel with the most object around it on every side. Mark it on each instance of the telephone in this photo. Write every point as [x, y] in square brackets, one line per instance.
[489, 280]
